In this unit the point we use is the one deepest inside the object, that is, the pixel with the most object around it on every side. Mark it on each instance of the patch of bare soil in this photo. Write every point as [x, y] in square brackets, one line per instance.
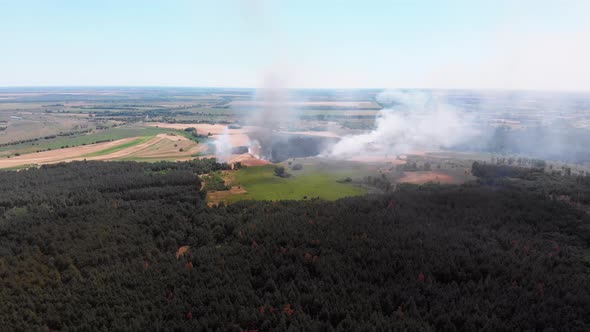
[427, 176]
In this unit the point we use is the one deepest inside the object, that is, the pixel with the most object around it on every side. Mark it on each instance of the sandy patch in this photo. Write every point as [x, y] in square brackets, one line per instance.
[427, 176]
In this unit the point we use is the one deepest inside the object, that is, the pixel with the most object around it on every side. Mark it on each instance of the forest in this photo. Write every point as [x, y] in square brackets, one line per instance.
[133, 246]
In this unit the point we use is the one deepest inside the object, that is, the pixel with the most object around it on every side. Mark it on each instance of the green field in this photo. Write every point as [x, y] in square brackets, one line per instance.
[314, 181]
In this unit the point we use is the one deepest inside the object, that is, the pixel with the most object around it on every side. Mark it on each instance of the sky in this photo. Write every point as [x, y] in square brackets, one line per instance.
[447, 44]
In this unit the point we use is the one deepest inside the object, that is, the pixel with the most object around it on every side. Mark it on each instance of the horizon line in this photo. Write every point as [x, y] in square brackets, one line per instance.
[290, 88]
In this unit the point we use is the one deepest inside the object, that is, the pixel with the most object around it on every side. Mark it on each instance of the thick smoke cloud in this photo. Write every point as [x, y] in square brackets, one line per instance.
[412, 120]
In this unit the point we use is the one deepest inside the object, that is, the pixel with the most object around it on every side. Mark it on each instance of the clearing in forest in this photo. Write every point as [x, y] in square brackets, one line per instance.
[261, 183]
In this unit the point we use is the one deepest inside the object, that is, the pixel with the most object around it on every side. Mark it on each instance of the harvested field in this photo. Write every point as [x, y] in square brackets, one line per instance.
[162, 146]
[54, 156]
[237, 137]
[247, 160]
[202, 128]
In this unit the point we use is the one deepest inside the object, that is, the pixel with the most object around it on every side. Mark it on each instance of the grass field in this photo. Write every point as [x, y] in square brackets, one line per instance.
[260, 183]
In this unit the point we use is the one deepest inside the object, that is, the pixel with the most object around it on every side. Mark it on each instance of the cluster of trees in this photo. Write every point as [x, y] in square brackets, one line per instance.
[539, 181]
[132, 246]
[214, 181]
[550, 142]
[379, 182]
[414, 167]
[494, 171]
[281, 172]
[297, 167]
[519, 161]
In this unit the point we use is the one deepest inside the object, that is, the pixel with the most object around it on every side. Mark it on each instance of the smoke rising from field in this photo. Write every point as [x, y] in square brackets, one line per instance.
[223, 146]
[272, 110]
[411, 120]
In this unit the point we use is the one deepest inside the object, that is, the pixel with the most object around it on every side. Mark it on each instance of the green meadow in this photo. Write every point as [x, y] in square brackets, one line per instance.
[313, 181]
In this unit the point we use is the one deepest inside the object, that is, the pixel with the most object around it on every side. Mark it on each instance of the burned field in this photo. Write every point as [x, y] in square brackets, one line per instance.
[278, 147]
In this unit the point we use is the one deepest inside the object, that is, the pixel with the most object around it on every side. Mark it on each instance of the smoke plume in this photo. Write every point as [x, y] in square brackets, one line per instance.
[411, 120]
[223, 146]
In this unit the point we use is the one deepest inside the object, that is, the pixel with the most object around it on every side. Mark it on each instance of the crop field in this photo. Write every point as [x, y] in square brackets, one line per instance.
[60, 142]
[168, 146]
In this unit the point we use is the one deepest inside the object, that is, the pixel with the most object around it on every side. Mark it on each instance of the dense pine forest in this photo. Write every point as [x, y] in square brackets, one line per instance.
[133, 246]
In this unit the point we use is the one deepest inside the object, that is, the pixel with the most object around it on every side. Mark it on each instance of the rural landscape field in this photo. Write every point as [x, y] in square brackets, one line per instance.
[48, 126]
[261, 165]
[191, 183]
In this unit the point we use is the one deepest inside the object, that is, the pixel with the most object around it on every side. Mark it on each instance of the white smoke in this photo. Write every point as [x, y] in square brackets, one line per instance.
[254, 148]
[415, 120]
[223, 146]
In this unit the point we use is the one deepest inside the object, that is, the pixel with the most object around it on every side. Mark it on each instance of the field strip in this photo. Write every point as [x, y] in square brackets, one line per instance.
[132, 148]
[128, 150]
[55, 156]
[118, 147]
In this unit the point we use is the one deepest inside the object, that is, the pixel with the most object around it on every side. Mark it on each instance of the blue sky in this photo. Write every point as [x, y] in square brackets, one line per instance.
[321, 43]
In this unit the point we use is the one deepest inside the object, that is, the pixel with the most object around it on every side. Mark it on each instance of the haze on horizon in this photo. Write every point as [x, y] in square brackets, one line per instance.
[531, 45]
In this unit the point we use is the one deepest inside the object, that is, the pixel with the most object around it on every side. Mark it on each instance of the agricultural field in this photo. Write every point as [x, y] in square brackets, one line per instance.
[153, 146]
[51, 125]
[46, 125]
[60, 142]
